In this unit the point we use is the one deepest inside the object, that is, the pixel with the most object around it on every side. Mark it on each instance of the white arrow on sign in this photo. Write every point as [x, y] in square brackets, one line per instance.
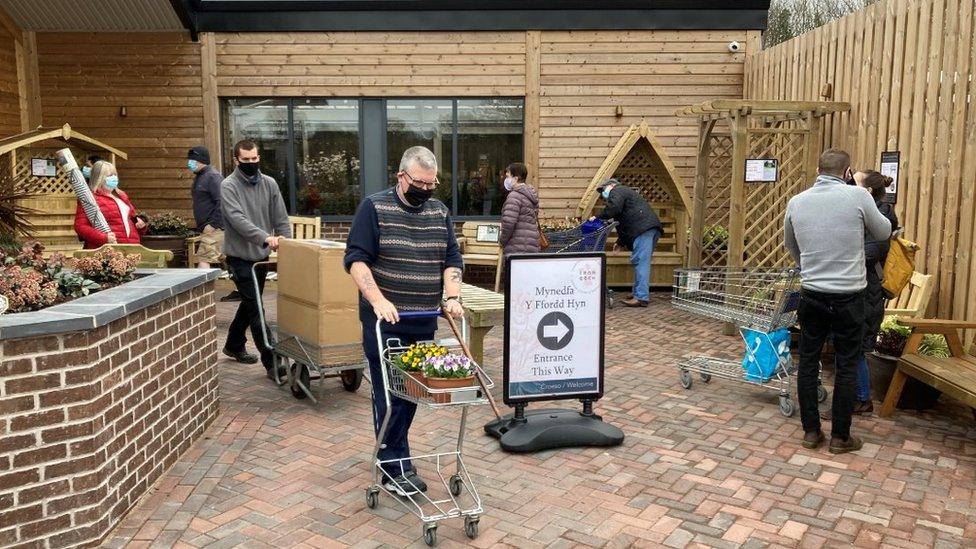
[557, 331]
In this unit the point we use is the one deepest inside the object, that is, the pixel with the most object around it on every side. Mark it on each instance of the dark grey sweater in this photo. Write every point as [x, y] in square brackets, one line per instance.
[251, 213]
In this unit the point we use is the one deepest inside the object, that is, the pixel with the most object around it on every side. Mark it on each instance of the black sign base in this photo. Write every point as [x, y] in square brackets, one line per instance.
[540, 430]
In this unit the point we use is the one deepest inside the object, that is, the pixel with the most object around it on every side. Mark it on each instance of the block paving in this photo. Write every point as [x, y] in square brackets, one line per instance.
[713, 466]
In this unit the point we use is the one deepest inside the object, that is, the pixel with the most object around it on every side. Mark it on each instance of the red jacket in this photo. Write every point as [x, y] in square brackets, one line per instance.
[92, 237]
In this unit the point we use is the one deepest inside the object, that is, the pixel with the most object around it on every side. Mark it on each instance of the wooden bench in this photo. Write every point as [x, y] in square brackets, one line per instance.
[668, 254]
[484, 310]
[484, 250]
[914, 299]
[955, 375]
[302, 228]
[150, 259]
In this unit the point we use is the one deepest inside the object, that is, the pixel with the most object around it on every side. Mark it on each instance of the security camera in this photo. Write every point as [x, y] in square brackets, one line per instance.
[734, 47]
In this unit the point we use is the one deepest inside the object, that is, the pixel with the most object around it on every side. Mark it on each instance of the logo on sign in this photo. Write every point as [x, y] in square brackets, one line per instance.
[586, 278]
[555, 331]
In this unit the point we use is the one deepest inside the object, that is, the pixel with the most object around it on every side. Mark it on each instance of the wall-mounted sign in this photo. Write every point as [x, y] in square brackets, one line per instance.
[44, 167]
[762, 170]
[554, 306]
[487, 233]
[889, 167]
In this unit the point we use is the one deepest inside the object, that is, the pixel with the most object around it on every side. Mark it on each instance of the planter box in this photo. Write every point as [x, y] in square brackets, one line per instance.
[100, 397]
[915, 396]
[175, 244]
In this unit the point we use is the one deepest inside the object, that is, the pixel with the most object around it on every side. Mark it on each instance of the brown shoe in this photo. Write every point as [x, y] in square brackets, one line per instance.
[863, 408]
[813, 440]
[838, 446]
[634, 303]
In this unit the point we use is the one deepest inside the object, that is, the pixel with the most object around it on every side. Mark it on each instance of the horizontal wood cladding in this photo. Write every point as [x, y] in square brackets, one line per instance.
[85, 80]
[9, 93]
[587, 76]
[371, 64]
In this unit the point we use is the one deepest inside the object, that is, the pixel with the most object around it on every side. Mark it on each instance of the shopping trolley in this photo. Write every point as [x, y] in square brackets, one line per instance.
[301, 358]
[762, 303]
[455, 496]
[589, 236]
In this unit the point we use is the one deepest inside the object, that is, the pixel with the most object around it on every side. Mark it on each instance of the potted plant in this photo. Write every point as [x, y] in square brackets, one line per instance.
[883, 360]
[168, 231]
[411, 363]
[448, 371]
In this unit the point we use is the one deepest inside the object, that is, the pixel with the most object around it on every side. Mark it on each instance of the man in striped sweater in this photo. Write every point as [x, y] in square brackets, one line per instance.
[404, 257]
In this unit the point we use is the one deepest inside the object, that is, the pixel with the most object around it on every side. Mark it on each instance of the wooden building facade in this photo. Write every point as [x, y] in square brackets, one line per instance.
[580, 78]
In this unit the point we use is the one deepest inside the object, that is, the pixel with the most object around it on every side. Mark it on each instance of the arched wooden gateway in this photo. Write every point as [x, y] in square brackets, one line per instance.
[735, 223]
[53, 199]
[639, 161]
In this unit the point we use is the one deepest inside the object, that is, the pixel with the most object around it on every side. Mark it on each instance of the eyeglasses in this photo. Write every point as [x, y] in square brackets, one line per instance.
[421, 183]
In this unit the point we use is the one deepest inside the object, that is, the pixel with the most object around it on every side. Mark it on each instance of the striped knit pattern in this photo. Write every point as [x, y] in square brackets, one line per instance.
[409, 267]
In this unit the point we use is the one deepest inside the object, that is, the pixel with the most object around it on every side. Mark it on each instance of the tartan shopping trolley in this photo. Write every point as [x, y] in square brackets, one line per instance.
[305, 361]
[589, 236]
[454, 496]
[762, 303]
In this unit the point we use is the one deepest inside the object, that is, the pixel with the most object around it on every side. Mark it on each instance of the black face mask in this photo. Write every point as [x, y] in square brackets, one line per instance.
[249, 169]
[416, 196]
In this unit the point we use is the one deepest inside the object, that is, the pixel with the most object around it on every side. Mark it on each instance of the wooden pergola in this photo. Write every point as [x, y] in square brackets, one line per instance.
[52, 197]
[735, 223]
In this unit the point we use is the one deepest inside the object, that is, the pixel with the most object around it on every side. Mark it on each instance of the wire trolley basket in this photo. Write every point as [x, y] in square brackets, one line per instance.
[762, 303]
[590, 236]
[453, 493]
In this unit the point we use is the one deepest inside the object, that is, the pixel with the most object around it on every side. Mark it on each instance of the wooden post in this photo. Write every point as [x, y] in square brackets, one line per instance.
[737, 194]
[705, 128]
[211, 101]
[28, 81]
[533, 71]
[814, 123]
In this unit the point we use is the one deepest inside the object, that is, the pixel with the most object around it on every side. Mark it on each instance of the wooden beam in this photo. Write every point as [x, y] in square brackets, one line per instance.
[28, 82]
[211, 102]
[533, 72]
[737, 194]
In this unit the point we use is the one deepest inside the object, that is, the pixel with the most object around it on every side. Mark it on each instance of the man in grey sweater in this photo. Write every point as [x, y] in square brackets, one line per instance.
[254, 219]
[824, 232]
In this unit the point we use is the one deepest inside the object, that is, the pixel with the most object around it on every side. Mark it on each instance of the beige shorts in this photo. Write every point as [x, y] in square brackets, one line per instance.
[210, 246]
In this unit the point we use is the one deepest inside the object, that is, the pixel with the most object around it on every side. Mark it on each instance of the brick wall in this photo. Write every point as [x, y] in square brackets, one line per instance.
[89, 420]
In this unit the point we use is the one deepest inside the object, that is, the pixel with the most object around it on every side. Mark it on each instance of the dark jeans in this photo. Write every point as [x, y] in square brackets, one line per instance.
[247, 311]
[396, 444]
[821, 315]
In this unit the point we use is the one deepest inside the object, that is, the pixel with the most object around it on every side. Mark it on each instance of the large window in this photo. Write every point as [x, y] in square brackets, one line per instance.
[327, 154]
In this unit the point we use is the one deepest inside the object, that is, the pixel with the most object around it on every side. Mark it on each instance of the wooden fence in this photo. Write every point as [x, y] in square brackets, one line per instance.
[906, 67]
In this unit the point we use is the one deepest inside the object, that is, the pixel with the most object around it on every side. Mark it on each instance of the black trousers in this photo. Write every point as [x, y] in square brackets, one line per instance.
[820, 315]
[247, 311]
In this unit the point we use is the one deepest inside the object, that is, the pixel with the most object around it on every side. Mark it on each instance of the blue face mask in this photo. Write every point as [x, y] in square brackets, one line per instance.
[112, 182]
[605, 194]
[86, 171]
[192, 164]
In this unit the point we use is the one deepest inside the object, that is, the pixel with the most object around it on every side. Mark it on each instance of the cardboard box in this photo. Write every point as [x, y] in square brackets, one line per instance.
[318, 302]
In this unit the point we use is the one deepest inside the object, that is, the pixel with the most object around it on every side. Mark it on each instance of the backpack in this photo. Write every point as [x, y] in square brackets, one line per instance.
[899, 266]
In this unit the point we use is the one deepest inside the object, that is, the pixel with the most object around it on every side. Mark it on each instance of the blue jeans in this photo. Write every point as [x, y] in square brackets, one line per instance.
[863, 380]
[640, 258]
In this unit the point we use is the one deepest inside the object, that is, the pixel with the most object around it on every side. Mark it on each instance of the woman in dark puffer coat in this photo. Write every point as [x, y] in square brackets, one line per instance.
[520, 214]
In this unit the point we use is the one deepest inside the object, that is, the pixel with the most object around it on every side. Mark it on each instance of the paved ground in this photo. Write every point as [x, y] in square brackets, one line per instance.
[714, 466]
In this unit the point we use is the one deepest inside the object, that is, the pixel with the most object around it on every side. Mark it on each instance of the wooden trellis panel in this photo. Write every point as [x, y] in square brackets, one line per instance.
[714, 247]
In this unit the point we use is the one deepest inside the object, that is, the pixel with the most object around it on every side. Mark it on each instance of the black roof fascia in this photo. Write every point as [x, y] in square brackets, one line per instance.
[477, 5]
[480, 20]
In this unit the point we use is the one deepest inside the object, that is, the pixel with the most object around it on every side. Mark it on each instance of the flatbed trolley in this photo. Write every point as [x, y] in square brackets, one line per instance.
[578, 239]
[298, 356]
[759, 302]
[460, 497]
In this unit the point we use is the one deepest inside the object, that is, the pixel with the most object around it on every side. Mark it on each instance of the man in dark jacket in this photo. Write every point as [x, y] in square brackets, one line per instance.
[639, 230]
[206, 207]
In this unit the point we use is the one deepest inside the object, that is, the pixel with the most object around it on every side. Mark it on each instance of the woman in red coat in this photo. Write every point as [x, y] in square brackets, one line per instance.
[124, 226]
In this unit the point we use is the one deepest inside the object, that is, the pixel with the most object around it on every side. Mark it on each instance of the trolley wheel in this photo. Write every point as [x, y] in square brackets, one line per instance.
[351, 379]
[300, 373]
[372, 498]
[706, 377]
[456, 485]
[821, 393]
[471, 526]
[786, 406]
[430, 534]
[685, 379]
